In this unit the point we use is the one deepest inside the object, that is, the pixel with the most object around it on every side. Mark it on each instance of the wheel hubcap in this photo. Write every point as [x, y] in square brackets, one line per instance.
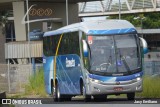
[58, 93]
[84, 92]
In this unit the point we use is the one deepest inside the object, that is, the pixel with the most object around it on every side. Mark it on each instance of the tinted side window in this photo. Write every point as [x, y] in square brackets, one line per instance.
[69, 44]
[50, 44]
[55, 40]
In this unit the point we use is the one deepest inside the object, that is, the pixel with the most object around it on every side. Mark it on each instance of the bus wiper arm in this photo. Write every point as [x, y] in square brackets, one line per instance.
[125, 63]
[122, 58]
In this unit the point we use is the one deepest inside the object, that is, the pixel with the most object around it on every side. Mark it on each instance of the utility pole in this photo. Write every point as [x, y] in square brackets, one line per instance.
[67, 12]
[119, 9]
[28, 29]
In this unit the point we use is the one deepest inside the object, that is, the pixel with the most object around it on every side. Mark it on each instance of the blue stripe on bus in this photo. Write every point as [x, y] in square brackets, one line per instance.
[116, 78]
[109, 32]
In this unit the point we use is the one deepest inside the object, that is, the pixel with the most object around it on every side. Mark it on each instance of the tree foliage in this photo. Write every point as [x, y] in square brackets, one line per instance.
[3, 20]
[151, 21]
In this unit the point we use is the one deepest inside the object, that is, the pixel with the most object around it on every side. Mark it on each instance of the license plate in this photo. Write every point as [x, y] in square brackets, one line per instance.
[118, 88]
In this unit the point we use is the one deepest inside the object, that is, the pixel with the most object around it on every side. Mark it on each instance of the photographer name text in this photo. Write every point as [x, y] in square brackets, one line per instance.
[145, 102]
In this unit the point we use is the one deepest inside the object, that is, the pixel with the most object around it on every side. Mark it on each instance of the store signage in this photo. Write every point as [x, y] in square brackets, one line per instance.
[37, 12]
[40, 12]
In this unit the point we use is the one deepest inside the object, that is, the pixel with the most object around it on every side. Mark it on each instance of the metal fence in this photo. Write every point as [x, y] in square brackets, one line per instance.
[152, 68]
[13, 78]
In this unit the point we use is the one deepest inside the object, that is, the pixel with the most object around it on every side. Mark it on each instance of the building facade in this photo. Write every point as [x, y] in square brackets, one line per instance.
[42, 16]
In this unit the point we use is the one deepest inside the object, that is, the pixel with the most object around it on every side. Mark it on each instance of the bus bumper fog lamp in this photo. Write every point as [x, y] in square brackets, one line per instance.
[138, 79]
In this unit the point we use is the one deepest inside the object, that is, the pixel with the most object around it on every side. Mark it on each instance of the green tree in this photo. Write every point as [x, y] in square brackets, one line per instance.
[3, 20]
[151, 21]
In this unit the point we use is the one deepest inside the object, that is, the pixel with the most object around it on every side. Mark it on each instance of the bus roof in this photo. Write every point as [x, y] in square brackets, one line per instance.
[98, 27]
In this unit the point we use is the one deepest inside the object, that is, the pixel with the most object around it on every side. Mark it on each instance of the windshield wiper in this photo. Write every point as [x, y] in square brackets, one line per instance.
[124, 62]
[110, 57]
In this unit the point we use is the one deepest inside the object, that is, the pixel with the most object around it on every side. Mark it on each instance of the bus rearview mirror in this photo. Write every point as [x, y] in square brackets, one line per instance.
[85, 48]
[144, 45]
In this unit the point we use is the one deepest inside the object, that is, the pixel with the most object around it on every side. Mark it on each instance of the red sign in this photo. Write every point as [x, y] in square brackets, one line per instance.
[90, 39]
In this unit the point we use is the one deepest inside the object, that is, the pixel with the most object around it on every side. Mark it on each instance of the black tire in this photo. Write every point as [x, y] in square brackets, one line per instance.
[52, 91]
[55, 98]
[87, 98]
[67, 97]
[57, 95]
[100, 97]
[131, 96]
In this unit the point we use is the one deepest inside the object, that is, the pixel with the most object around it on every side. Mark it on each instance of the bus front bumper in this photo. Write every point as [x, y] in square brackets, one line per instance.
[98, 88]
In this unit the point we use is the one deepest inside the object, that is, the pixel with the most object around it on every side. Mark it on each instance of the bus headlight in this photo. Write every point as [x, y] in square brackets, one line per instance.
[95, 80]
[138, 78]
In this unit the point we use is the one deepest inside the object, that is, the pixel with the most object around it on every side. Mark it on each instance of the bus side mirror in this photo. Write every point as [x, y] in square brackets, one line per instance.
[85, 48]
[144, 45]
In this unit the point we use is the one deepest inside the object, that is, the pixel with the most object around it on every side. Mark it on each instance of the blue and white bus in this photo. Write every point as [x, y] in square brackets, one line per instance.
[93, 58]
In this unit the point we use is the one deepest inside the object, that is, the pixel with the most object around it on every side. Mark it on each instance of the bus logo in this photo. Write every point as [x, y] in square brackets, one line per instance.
[70, 63]
[41, 12]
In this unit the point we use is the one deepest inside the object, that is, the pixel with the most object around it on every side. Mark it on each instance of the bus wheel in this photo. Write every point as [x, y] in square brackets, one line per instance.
[52, 90]
[86, 97]
[100, 97]
[67, 97]
[55, 98]
[130, 96]
[57, 94]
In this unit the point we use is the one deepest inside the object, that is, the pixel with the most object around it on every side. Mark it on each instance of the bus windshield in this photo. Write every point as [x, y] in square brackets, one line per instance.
[117, 54]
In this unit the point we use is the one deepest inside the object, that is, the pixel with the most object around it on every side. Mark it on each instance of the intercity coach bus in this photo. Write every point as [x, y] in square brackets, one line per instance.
[93, 58]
